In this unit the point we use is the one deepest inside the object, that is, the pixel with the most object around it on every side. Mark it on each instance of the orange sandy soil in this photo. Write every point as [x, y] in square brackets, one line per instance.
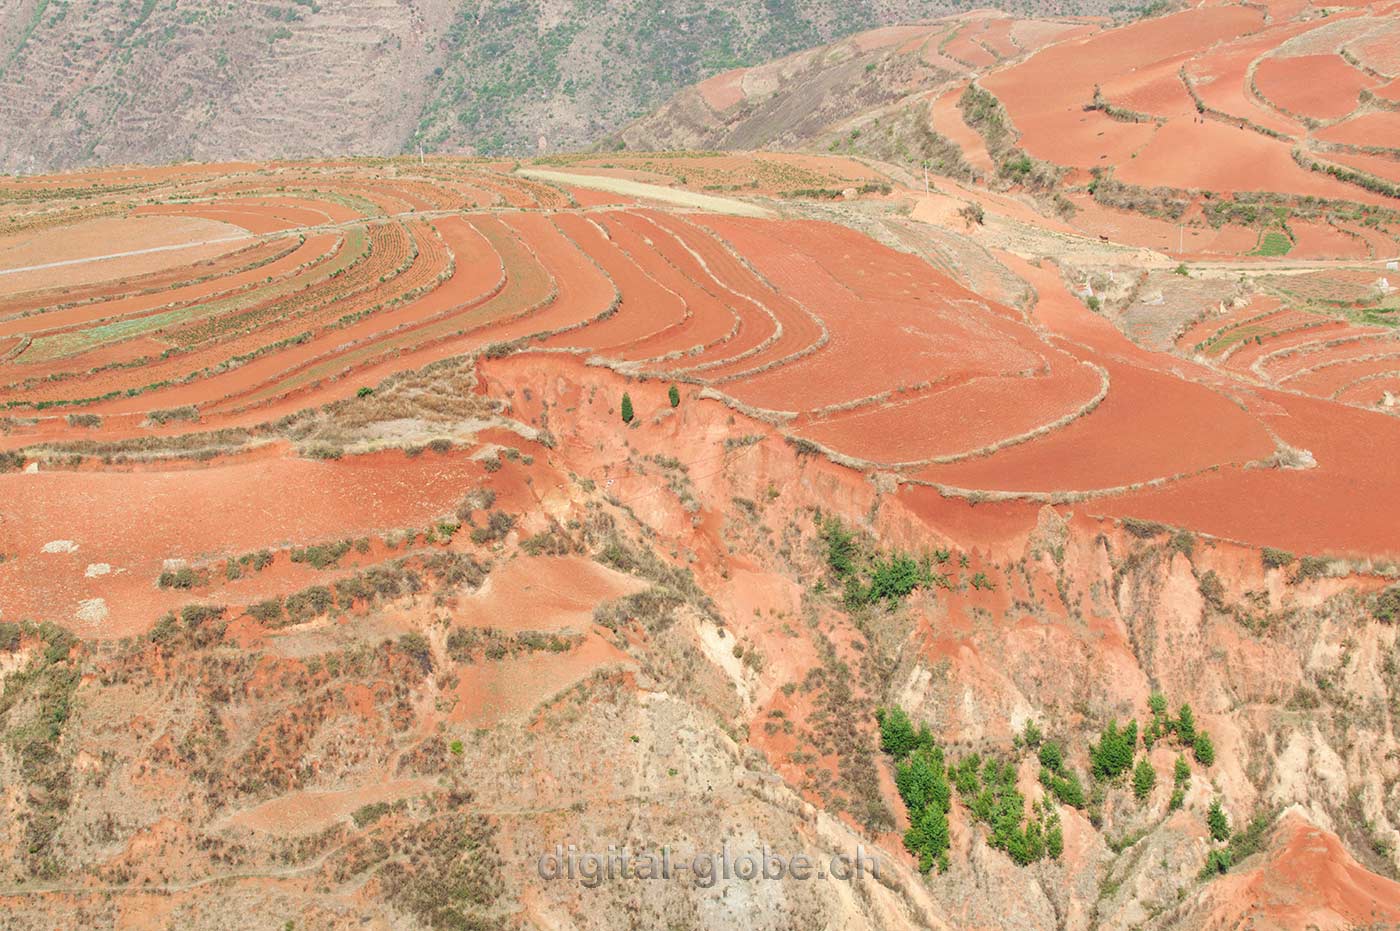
[1220, 76]
[1324, 241]
[947, 120]
[1044, 95]
[182, 239]
[1308, 880]
[724, 90]
[1320, 86]
[264, 502]
[543, 593]
[1376, 128]
[1122, 226]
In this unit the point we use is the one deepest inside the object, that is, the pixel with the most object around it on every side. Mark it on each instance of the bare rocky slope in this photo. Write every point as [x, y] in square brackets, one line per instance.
[369, 772]
[87, 84]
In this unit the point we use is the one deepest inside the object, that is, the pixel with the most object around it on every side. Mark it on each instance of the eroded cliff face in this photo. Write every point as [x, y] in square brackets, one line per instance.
[649, 648]
[1076, 620]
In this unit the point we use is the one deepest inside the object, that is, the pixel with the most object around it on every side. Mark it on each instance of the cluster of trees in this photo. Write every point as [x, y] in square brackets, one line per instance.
[1183, 728]
[921, 775]
[1057, 778]
[1116, 749]
[987, 788]
[673, 394]
[869, 579]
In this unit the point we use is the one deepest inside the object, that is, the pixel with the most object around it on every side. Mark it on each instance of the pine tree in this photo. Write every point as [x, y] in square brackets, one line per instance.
[1182, 772]
[675, 395]
[626, 408]
[896, 733]
[1204, 749]
[1144, 778]
[1186, 725]
[1218, 823]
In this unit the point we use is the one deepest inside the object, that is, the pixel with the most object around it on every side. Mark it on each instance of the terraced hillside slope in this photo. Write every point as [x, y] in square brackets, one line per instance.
[1220, 129]
[369, 527]
[109, 83]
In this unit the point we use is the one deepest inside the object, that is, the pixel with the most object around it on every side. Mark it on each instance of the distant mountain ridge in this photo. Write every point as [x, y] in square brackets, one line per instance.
[106, 83]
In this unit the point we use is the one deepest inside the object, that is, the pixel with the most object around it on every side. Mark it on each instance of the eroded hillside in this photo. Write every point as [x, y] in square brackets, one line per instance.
[371, 527]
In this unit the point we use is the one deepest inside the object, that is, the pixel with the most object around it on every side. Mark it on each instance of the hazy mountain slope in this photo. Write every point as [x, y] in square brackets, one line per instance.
[85, 84]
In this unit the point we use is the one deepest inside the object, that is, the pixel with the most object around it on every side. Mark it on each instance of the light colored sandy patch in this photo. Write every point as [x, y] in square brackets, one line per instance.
[543, 593]
[60, 546]
[491, 692]
[108, 248]
[651, 192]
[719, 647]
[307, 812]
[92, 611]
[96, 569]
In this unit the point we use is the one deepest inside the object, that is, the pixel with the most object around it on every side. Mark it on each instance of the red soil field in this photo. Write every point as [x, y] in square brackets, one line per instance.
[1320, 86]
[1220, 76]
[1239, 160]
[723, 90]
[963, 46]
[1358, 344]
[947, 121]
[1375, 128]
[1045, 94]
[959, 419]
[259, 503]
[646, 308]
[1148, 427]
[1356, 452]
[1331, 379]
[707, 320]
[1379, 166]
[1324, 241]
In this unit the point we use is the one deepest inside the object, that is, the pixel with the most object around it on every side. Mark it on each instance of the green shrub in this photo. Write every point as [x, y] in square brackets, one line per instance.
[1203, 749]
[416, 646]
[1212, 589]
[183, 579]
[309, 603]
[1144, 779]
[627, 413]
[267, 612]
[171, 415]
[368, 814]
[1185, 725]
[1217, 821]
[897, 736]
[322, 555]
[1387, 607]
[1113, 754]
[1217, 861]
[1065, 786]
[675, 395]
[1275, 559]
